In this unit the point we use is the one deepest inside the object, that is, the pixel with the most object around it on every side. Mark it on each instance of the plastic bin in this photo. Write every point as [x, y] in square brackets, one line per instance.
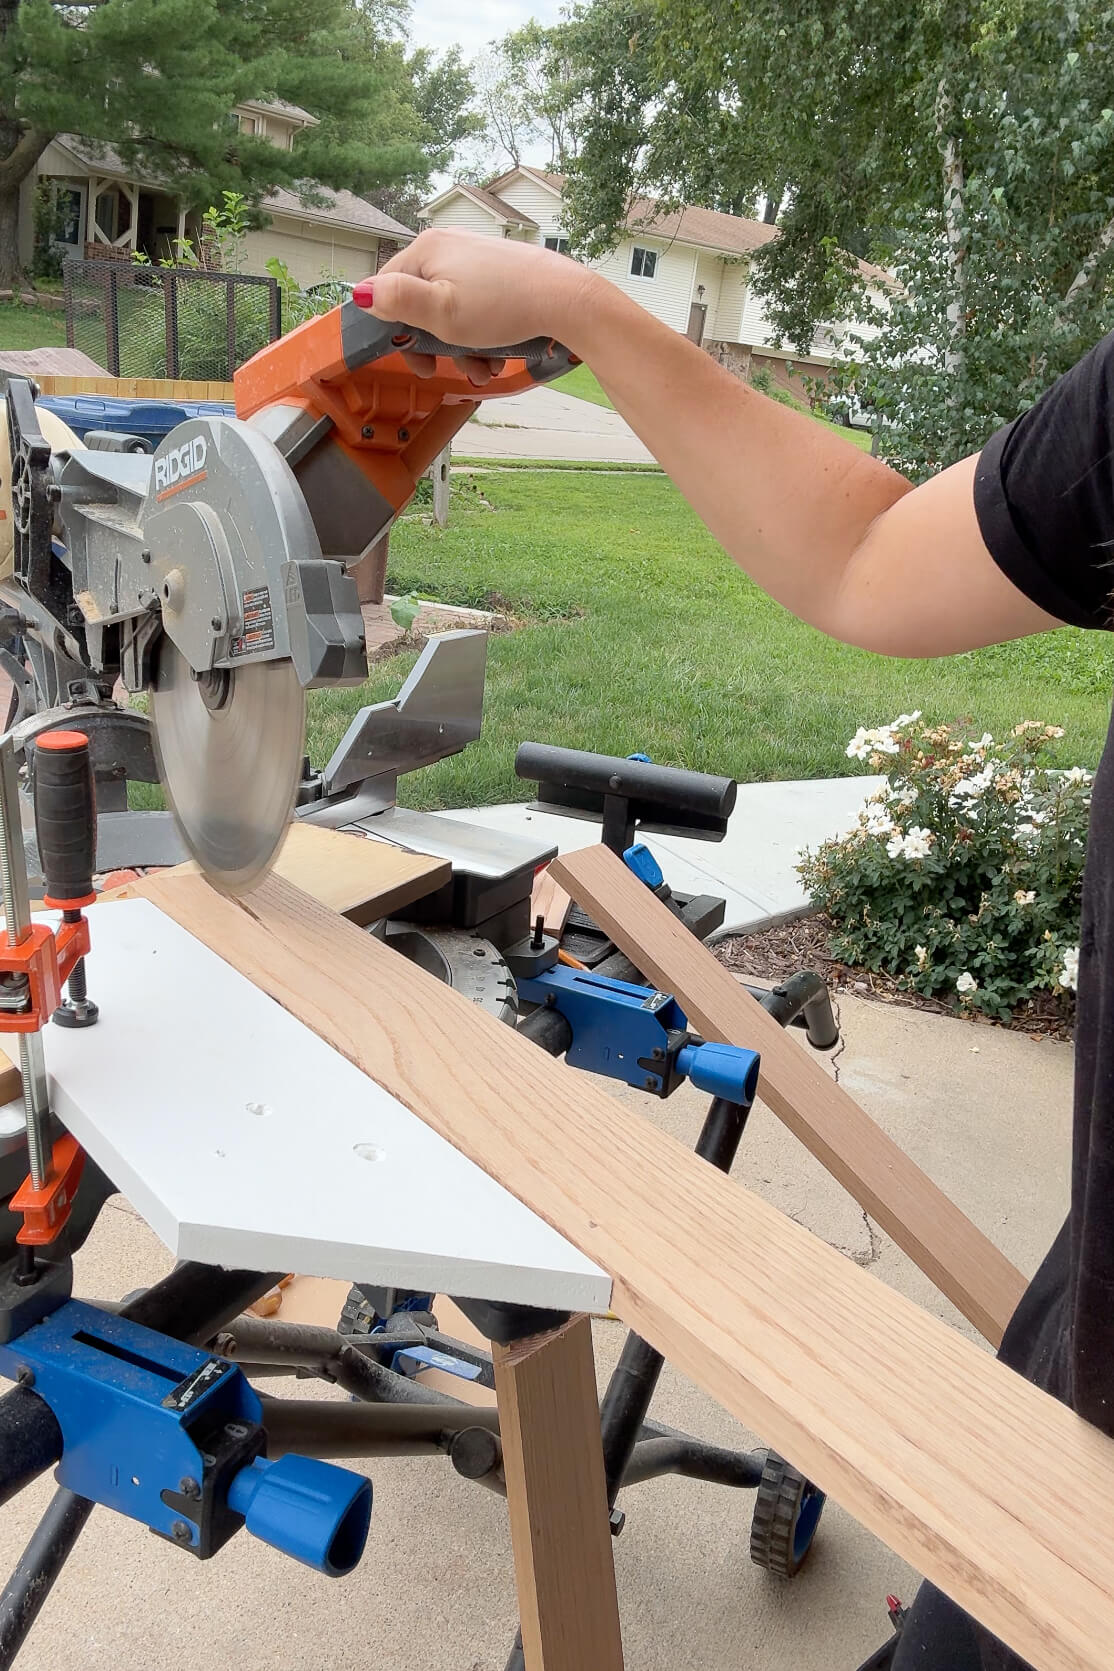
[150, 418]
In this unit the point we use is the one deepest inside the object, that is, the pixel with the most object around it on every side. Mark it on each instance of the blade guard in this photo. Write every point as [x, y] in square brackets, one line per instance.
[348, 367]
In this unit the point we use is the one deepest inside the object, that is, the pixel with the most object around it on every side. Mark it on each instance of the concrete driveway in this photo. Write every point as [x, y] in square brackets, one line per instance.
[986, 1112]
[547, 423]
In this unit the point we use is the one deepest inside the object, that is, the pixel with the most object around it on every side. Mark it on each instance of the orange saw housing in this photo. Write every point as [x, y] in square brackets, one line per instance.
[357, 425]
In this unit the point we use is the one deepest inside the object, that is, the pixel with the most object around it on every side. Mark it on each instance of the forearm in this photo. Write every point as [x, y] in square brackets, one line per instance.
[788, 499]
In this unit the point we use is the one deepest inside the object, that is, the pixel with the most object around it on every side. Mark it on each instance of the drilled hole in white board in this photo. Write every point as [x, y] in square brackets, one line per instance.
[368, 1151]
[258, 1108]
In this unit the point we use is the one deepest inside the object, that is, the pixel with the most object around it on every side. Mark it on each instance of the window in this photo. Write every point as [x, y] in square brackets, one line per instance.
[560, 245]
[643, 262]
[249, 124]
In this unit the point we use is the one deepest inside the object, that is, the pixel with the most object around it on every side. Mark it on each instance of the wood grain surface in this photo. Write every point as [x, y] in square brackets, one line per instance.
[962, 1262]
[916, 1430]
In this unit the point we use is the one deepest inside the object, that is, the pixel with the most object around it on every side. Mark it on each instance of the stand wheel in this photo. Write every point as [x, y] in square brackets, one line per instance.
[787, 1511]
[358, 1315]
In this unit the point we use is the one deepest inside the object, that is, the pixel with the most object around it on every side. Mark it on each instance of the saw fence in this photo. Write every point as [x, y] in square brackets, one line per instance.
[920, 1434]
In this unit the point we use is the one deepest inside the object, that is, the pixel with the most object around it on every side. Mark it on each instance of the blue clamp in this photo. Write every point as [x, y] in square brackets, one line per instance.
[723, 1070]
[639, 1036]
[171, 1436]
[642, 863]
[643, 758]
[411, 1360]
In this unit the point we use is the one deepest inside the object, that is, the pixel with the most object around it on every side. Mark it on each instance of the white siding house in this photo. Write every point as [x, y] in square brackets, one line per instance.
[108, 210]
[690, 268]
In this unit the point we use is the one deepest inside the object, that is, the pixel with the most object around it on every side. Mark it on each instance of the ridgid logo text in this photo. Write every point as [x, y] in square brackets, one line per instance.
[179, 468]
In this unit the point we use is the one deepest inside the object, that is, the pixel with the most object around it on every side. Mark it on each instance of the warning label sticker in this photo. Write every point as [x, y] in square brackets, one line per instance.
[259, 623]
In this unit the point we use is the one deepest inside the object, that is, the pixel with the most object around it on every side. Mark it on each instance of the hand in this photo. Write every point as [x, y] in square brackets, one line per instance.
[478, 291]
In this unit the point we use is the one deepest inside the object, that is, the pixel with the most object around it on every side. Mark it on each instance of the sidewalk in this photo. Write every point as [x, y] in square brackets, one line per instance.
[754, 867]
[545, 423]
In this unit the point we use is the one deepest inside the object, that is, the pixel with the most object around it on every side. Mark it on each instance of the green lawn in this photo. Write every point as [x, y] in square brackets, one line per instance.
[31, 327]
[584, 384]
[641, 634]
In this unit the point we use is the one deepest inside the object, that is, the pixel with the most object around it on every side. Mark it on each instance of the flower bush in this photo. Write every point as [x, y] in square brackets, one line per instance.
[963, 876]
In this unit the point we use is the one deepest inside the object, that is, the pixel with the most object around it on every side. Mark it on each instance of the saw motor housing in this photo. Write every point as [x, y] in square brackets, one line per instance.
[236, 537]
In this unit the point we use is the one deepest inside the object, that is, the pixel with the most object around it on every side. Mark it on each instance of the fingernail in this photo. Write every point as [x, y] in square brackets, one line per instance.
[362, 294]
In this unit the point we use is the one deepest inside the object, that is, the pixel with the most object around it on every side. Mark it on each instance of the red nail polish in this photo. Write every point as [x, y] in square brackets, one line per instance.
[362, 294]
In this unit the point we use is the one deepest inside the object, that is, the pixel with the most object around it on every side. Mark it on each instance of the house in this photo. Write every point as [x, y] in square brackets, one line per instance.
[107, 209]
[690, 267]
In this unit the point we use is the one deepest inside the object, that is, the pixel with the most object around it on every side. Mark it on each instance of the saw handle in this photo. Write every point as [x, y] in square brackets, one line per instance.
[366, 339]
[65, 818]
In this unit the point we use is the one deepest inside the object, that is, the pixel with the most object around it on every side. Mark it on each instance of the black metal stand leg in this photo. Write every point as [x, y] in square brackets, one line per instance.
[631, 1388]
[37, 1568]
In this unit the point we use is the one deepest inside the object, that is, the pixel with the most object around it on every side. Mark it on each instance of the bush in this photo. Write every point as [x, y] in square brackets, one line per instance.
[202, 326]
[964, 874]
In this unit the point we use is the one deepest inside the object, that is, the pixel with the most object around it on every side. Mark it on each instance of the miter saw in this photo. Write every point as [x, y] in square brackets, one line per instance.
[212, 576]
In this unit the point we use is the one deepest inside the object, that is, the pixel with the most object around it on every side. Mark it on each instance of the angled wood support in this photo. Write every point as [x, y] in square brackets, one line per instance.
[550, 1423]
[962, 1262]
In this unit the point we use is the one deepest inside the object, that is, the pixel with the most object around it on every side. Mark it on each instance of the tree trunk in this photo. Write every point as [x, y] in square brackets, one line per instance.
[954, 183]
[11, 272]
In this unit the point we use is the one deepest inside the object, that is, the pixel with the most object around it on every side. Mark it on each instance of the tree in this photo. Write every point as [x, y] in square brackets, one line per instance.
[157, 80]
[528, 94]
[967, 145]
[440, 115]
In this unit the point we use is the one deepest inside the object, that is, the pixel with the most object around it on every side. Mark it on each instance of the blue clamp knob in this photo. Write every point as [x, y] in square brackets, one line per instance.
[723, 1070]
[641, 861]
[311, 1510]
[644, 758]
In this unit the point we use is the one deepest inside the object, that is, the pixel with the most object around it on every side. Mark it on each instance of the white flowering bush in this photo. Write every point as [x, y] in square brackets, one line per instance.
[963, 876]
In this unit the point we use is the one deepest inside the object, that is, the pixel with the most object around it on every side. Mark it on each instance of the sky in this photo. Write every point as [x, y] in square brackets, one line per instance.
[472, 24]
[472, 27]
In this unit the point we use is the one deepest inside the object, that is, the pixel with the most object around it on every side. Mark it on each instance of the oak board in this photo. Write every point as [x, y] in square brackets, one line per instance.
[962, 1262]
[917, 1431]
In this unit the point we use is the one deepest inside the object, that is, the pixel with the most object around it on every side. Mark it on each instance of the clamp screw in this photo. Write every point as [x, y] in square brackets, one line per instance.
[25, 1378]
[144, 556]
[368, 432]
[189, 1487]
[216, 623]
[649, 1083]
[181, 1532]
[658, 1054]
[404, 435]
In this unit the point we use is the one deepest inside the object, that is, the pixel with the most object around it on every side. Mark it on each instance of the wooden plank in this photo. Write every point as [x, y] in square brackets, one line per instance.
[549, 1420]
[921, 1435]
[962, 1262]
[549, 901]
[363, 880]
[11, 1080]
[127, 388]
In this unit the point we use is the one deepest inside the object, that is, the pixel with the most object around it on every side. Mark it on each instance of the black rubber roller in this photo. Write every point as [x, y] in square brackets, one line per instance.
[65, 818]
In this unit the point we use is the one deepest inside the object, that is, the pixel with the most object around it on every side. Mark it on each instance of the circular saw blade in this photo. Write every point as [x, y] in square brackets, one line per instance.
[229, 748]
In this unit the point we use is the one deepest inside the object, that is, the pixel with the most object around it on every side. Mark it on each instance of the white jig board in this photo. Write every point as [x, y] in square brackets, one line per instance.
[245, 1140]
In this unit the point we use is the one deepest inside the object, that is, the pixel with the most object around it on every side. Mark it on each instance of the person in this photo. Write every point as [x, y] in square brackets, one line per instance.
[1016, 539]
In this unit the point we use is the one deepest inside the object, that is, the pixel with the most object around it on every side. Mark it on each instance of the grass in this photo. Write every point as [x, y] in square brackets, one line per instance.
[641, 634]
[25, 326]
[584, 385]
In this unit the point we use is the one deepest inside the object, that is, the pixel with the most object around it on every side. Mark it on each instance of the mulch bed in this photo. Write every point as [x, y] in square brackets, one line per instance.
[773, 954]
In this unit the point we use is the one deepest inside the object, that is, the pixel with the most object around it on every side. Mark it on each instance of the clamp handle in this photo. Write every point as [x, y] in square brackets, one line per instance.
[66, 818]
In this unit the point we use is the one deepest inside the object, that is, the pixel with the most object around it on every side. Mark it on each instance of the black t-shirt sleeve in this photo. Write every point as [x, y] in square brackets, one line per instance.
[1044, 495]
